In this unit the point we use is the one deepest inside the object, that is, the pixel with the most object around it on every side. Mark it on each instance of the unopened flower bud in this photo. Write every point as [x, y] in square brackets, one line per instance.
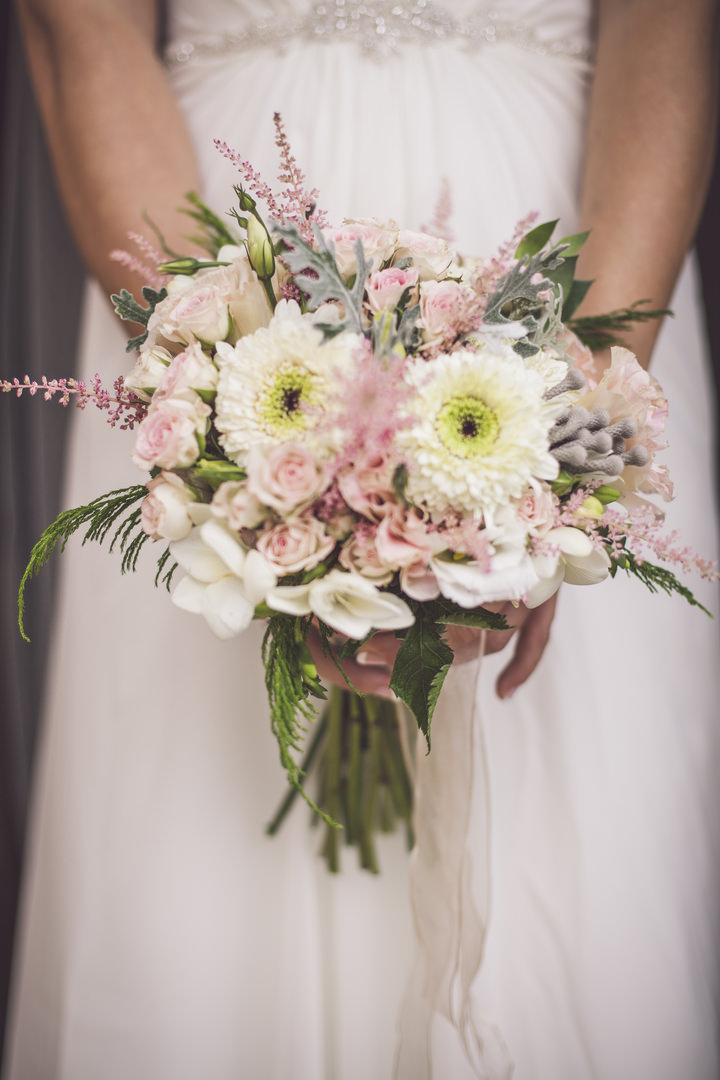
[591, 508]
[260, 249]
[606, 494]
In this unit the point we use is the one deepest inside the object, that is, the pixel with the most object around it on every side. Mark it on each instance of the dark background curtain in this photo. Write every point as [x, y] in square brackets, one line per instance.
[41, 280]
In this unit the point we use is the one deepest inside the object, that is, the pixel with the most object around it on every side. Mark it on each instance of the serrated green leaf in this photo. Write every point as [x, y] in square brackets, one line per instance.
[422, 662]
[535, 240]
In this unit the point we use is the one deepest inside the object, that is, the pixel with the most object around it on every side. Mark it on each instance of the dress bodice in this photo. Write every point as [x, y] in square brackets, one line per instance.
[380, 27]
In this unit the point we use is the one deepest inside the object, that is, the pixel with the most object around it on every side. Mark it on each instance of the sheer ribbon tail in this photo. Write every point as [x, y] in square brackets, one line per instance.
[450, 903]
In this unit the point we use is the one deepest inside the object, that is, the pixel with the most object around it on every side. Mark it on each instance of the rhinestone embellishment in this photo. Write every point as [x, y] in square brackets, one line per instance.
[380, 28]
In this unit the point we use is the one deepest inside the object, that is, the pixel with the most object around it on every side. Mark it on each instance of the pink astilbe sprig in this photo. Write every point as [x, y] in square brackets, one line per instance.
[146, 267]
[297, 202]
[439, 224]
[251, 177]
[642, 526]
[124, 409]
[369, 406]
[488, 274]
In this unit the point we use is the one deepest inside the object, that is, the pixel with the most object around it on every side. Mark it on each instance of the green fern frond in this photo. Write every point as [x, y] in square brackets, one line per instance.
[99, 517]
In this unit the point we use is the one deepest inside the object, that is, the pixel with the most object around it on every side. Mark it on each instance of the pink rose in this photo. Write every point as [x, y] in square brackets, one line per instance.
[536, 509]
[367, 487]
[377, 238]
[429, 254]
[164, 511]
[235, 504]
[441, 307]
[385, 287]
[402, 539]
[359, 554]
[167, 436]
[189, 370]
[224, 303]
[284, 477]
[296, 544]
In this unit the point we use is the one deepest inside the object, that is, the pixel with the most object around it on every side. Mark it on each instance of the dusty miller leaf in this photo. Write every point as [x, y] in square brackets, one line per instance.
[324, 282]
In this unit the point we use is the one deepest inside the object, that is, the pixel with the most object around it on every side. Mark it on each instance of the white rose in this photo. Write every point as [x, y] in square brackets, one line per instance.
[237, 505]
[431, 256]
[164, 513]
[148, 371]
[347, 602]
[224, 581]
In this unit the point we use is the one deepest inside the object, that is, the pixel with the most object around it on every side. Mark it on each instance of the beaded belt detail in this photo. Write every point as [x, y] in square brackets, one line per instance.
[379, 28]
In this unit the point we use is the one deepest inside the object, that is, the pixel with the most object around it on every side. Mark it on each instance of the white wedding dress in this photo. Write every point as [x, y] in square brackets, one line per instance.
[165, 937]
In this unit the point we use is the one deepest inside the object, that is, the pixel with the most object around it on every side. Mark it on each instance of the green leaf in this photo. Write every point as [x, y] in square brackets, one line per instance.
[574, 298]
[534, 241]
[421, 665]
[572, 244]
[215, 470]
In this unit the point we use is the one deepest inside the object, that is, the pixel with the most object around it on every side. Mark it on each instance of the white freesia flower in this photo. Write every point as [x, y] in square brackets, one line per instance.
[224, 581]
[479, 433]
[510, 577]
[273, 384]
[347, 602]
[576, 561]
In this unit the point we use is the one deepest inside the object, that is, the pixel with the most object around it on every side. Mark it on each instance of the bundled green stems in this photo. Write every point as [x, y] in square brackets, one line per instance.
[362, 773]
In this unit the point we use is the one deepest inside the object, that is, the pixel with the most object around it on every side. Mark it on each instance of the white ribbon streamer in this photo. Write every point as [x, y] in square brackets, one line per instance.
[450, 921]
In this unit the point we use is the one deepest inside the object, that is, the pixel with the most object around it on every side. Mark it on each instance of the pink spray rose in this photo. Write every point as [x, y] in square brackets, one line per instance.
[441, 305]
[367, 487]
[378, 239]
[167, 436]
[235, 504]
[430, 255]
[295, 544]
[385, 287]
[284, 477]
[189, 370]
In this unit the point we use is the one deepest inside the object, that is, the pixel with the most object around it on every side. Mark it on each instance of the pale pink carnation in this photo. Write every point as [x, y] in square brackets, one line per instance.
[626, 389]
[296, 544]
[167, 437]
[284, 477]
[580, 355]
[386, 287]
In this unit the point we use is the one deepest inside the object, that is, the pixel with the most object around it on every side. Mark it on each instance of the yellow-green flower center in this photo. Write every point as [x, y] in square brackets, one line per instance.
[281, 410]
[466, 426]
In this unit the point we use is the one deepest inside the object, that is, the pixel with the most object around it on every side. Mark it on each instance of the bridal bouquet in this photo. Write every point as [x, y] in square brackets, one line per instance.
[355, 430]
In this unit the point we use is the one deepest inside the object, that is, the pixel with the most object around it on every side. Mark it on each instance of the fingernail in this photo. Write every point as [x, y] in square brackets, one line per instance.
[505, 695]
[367, 659]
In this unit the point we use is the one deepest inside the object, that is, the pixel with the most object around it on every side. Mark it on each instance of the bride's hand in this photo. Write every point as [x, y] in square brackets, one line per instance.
[370, 671]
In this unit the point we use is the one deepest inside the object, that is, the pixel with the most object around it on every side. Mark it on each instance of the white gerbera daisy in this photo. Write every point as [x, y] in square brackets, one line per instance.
[273, 381]
[480, 431]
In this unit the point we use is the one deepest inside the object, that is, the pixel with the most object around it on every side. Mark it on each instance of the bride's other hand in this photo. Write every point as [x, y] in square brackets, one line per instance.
[370, 671]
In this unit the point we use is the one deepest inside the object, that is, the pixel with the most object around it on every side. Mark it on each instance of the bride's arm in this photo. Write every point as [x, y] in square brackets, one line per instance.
[649, 150]
[648, 158]
[117, 137]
